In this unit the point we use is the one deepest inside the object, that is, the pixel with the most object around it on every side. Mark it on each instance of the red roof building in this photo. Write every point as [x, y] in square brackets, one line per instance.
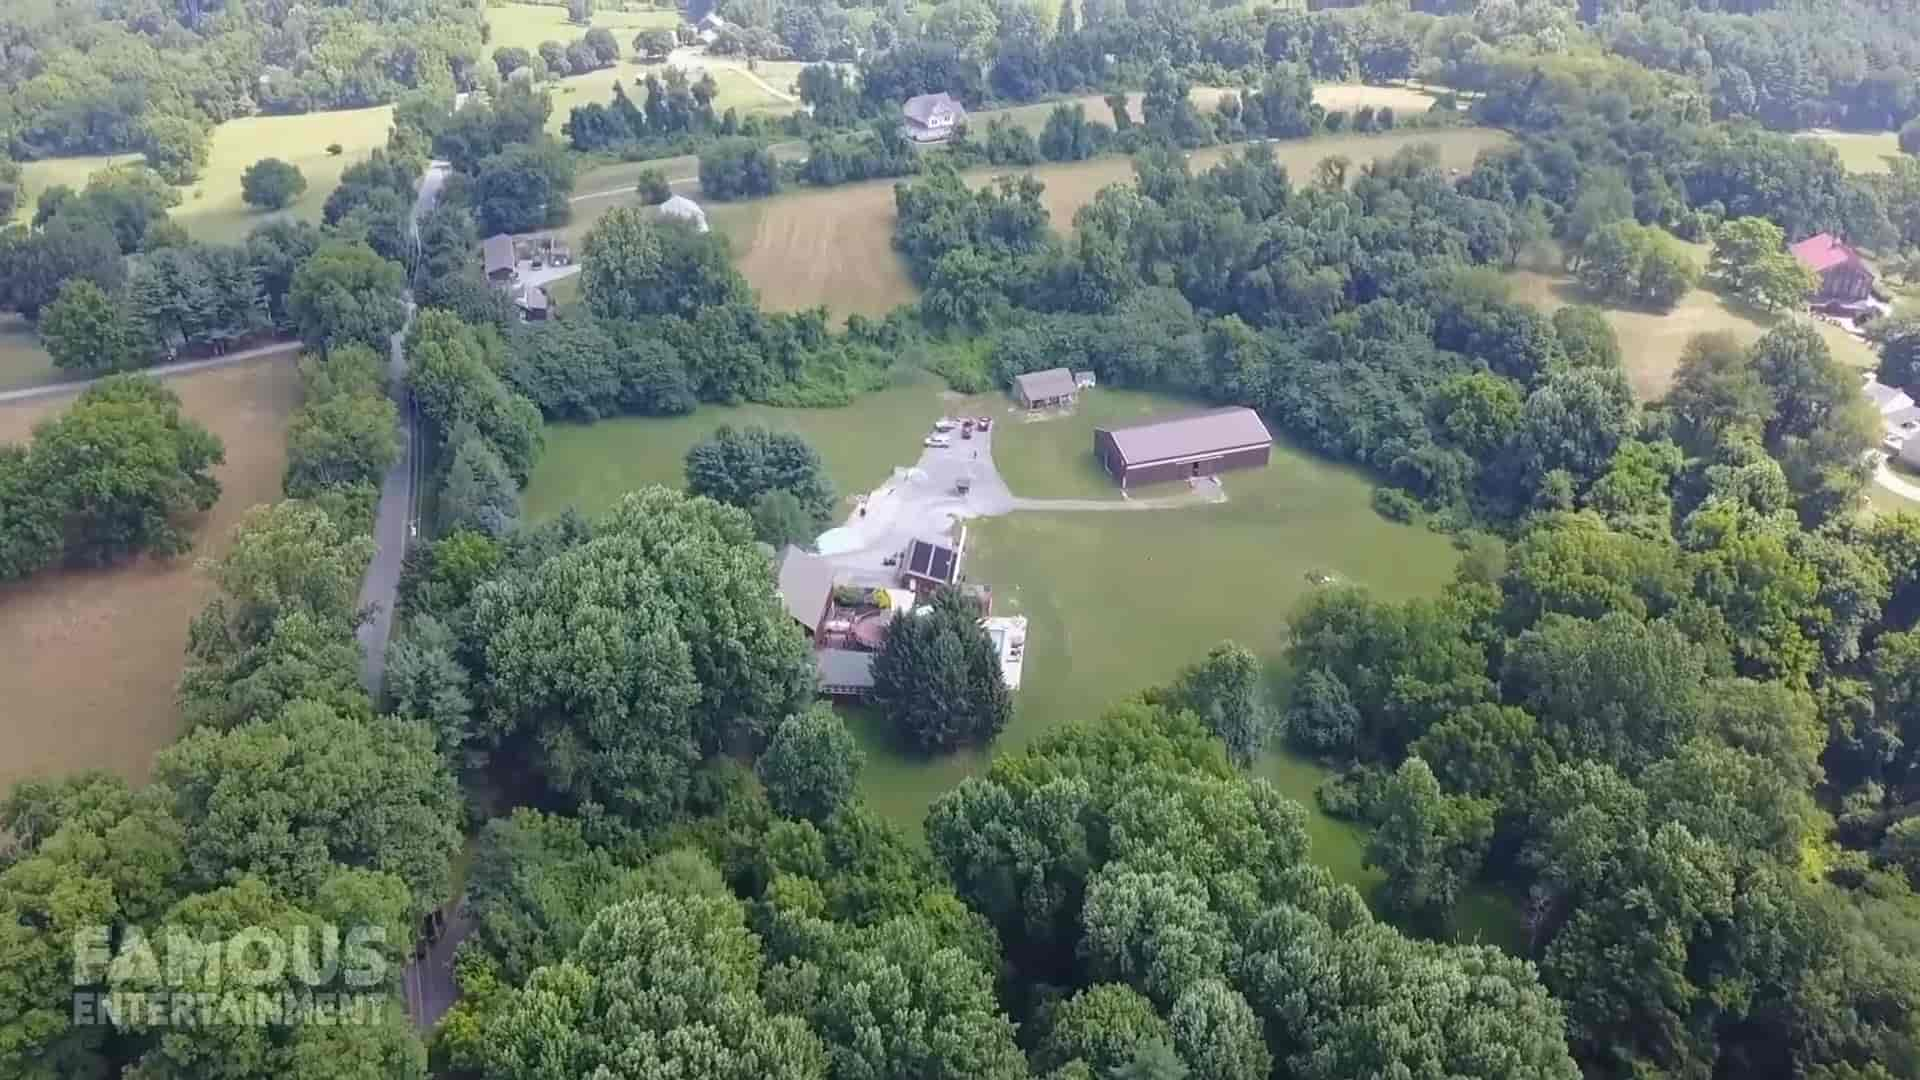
[1843, 274]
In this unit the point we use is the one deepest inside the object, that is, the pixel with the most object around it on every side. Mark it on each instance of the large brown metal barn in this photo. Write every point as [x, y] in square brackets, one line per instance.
[1183, 447]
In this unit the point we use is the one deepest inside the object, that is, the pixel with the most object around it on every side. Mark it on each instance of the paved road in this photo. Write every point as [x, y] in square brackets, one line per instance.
[396, 518]
[162, 371]
[427, 983]
[1894, 482]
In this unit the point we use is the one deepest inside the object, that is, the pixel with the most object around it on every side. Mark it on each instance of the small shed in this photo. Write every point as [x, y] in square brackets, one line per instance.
[1184, 447]
[805, 585]
[1045, 389]
[497, 251]
[931, 564]
[535, 305]
[844, 673]
[929, 118]
[685, 209]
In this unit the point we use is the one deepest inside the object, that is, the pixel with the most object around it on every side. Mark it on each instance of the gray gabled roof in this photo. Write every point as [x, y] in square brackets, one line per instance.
[1040, 385]
[1198, 435]
[1883, 395]
[805, 583]
[498, 252]
[921, 108]
[844, 669]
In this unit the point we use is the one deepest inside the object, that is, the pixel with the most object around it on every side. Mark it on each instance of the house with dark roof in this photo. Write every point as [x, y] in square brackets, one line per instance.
[1184, 447]
[930, 118]
[805, 585]
[930, 564]
[1844, 276]
[845, 673]
[1047, 389]
[534, 304]
[497, 251]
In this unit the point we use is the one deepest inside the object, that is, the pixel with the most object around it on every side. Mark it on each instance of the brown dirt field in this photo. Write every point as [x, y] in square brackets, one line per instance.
[90, 659]
[833, 246]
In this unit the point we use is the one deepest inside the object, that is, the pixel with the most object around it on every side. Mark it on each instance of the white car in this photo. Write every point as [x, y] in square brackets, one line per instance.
[1894, 441]
[943, 424]
[939, 441]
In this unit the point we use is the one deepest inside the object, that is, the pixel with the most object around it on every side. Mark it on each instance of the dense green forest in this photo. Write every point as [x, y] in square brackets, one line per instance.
[1667, 703]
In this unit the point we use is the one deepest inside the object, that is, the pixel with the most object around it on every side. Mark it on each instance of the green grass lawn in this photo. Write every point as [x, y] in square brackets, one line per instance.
[1861, 151]
[1052, 457]
[527, 25]
[589, 466]
[210, 208]
[736, 92]
[23, 362]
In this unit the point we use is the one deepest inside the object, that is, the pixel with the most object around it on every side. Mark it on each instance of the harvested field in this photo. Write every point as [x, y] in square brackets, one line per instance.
[90, 658]
[833, 246]
[1346, 97]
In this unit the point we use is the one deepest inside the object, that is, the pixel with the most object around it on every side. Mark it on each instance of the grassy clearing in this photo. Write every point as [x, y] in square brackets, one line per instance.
[527, 25]
[589, 466]
[60, 633]
[737, 92]
[211, 209]
[1860, 151]
[1052, 457]
[23, 362]
[832, 247]
[1652, 341]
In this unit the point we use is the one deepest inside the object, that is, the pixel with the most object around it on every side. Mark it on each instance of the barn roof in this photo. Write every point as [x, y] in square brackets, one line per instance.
[922, 107]
[1040, 385]
[1823, 252]
[805, 583]
[1197, 435]
[498, 252]
[937, 561]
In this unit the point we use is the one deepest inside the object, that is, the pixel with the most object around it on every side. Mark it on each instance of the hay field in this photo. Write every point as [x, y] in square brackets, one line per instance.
[90, 659]
[210, 208]
[1403, 100]
[833, 246]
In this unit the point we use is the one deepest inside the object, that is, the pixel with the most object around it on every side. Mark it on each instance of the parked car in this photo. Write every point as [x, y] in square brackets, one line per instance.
[943, 424]
[985, 423]
[939, 441]
[1893, 442]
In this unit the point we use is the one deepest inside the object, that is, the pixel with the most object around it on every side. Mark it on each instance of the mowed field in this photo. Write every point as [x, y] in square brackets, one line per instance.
[89, 659]
[22, 361]
[1860, 151]
[589, 466]
[737, 92]
[1651, 342]
[833, 247]
[211, 208]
